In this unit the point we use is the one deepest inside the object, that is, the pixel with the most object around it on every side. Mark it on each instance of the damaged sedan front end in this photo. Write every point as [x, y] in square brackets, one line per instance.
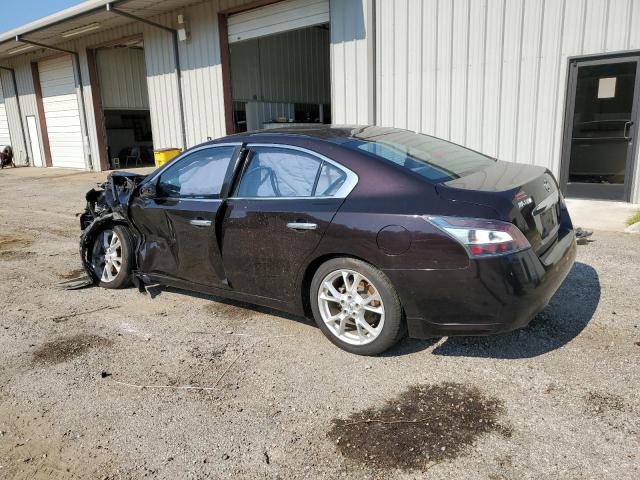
[107, 208]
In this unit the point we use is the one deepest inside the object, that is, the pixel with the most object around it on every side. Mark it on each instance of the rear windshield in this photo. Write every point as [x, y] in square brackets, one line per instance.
[435, 159]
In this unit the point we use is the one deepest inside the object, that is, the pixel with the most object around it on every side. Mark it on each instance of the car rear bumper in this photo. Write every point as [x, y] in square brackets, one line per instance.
[491, 295]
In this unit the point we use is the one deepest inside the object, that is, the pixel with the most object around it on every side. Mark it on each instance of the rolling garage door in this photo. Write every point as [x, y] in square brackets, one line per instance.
[61, 112]
[5, 139]
[277, 18]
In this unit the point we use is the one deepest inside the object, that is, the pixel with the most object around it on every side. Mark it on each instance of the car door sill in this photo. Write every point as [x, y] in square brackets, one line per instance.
[219, 291]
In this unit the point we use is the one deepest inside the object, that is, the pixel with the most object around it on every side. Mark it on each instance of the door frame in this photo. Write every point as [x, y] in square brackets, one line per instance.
[570, 97]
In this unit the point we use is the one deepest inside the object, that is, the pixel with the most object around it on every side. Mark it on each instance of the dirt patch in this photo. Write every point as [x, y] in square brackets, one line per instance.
[221, 309]
[601, 403]
[15, 254]
[75, 273]
[425, 424]
[9, 242]
[66, 232]
[66, 348]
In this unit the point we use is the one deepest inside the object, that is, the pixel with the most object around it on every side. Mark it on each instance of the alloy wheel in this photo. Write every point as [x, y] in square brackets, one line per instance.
[106, 256]
[351, 307]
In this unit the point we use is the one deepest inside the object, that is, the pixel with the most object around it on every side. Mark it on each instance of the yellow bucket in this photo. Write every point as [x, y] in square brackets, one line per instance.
[163, 156]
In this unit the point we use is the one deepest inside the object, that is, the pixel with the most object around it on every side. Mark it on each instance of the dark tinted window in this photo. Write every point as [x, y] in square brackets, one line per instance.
[435, 159]
[199, 175]
[279, 172]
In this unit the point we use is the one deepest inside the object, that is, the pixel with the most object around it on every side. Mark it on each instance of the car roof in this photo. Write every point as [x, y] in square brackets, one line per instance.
[330, 133]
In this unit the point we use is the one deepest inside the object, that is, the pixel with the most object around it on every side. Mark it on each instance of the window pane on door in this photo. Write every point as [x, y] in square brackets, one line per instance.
[330, 180]
[279, 172]
[199, 175]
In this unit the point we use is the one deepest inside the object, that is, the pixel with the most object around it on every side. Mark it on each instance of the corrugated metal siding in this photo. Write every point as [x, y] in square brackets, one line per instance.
[202, 72]
[162, 82]
[202, 76]
[5, 137]
[351, 61]
[491, 74]
[278, 68]
[24, 80]
[123, 78]
[279, 17]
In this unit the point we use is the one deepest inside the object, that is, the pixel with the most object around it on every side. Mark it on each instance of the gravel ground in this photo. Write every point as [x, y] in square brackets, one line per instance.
[558, 399]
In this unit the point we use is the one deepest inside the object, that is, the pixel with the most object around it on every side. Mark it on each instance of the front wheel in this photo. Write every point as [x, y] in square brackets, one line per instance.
[111, 257]
[356, 307]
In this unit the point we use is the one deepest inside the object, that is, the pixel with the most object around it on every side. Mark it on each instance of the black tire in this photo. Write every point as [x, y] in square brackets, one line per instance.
[122, 278]
[393, 328]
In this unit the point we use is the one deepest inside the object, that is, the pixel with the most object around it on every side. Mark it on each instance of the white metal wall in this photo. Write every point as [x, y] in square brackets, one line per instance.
[5, 137]
[123, 78]
[491, 74]
[352, 61]
[202, 75]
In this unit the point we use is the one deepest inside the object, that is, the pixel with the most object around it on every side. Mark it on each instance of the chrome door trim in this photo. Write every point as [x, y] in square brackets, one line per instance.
[302, 226]
[200, 222]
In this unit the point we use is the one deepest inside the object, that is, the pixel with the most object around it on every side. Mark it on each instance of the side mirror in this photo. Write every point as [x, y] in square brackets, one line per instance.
[148, 191]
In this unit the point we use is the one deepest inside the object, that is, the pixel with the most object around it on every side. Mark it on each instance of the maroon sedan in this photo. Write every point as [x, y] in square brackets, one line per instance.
[371, 231]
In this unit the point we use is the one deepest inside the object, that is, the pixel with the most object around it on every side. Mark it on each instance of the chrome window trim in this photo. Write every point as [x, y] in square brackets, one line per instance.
[346, 188]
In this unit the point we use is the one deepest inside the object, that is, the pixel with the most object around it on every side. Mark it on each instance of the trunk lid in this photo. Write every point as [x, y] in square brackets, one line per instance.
[525, 195]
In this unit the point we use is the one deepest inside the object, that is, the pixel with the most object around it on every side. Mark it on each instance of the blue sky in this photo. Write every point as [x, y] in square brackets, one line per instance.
[15, 13]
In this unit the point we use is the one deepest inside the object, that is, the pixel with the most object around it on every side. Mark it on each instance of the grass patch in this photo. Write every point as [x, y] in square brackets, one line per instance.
[634, 219]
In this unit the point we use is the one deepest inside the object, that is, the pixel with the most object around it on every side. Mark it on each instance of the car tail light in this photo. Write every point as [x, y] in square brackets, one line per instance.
[481, 237]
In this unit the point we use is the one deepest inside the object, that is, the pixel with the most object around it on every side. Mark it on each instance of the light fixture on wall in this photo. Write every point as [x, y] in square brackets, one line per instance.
[80, 30]
[20, 49]
[183, 33]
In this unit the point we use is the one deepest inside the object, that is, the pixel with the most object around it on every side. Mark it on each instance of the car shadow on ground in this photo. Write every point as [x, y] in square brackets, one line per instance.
[155, 291]
[567, 314]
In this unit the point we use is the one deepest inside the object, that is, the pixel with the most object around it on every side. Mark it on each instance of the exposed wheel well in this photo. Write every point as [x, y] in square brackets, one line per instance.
[312, 268]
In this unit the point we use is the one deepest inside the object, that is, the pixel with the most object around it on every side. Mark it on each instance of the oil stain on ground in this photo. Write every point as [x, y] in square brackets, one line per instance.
[66, 348]
[424, 425]
[601, 403]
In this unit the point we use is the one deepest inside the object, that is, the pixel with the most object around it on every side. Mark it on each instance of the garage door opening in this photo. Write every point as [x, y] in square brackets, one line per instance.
[125, 103]
[280, 65]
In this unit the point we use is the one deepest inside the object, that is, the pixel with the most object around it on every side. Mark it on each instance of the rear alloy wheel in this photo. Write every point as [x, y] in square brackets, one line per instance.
[356, 306]
[110, 257]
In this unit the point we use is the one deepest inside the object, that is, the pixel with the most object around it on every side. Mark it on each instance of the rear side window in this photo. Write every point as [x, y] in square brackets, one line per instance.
[330, 180]
[279, 172]
[198, 175]
[430, 157]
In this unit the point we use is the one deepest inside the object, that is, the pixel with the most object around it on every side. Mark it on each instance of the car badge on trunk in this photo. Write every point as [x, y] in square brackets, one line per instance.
[547, 185]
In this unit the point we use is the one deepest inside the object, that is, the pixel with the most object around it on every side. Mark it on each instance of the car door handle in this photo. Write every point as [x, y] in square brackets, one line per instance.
[302, 226]
[199, 222]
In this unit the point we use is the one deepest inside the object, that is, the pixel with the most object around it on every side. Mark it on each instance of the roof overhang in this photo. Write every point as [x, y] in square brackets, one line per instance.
[82, 20]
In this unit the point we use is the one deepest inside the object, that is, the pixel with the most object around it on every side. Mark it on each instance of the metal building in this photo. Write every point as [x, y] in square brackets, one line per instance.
[546, 82]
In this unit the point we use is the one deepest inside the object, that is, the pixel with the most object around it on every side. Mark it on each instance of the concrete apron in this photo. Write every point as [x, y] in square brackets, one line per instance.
[601, 214]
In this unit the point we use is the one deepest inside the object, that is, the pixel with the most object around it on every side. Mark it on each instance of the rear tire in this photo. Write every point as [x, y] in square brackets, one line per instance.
[111, 257]
[356, 306]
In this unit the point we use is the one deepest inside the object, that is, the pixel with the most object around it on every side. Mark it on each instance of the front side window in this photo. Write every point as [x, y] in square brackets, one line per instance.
[198, 175]
[279, 172]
